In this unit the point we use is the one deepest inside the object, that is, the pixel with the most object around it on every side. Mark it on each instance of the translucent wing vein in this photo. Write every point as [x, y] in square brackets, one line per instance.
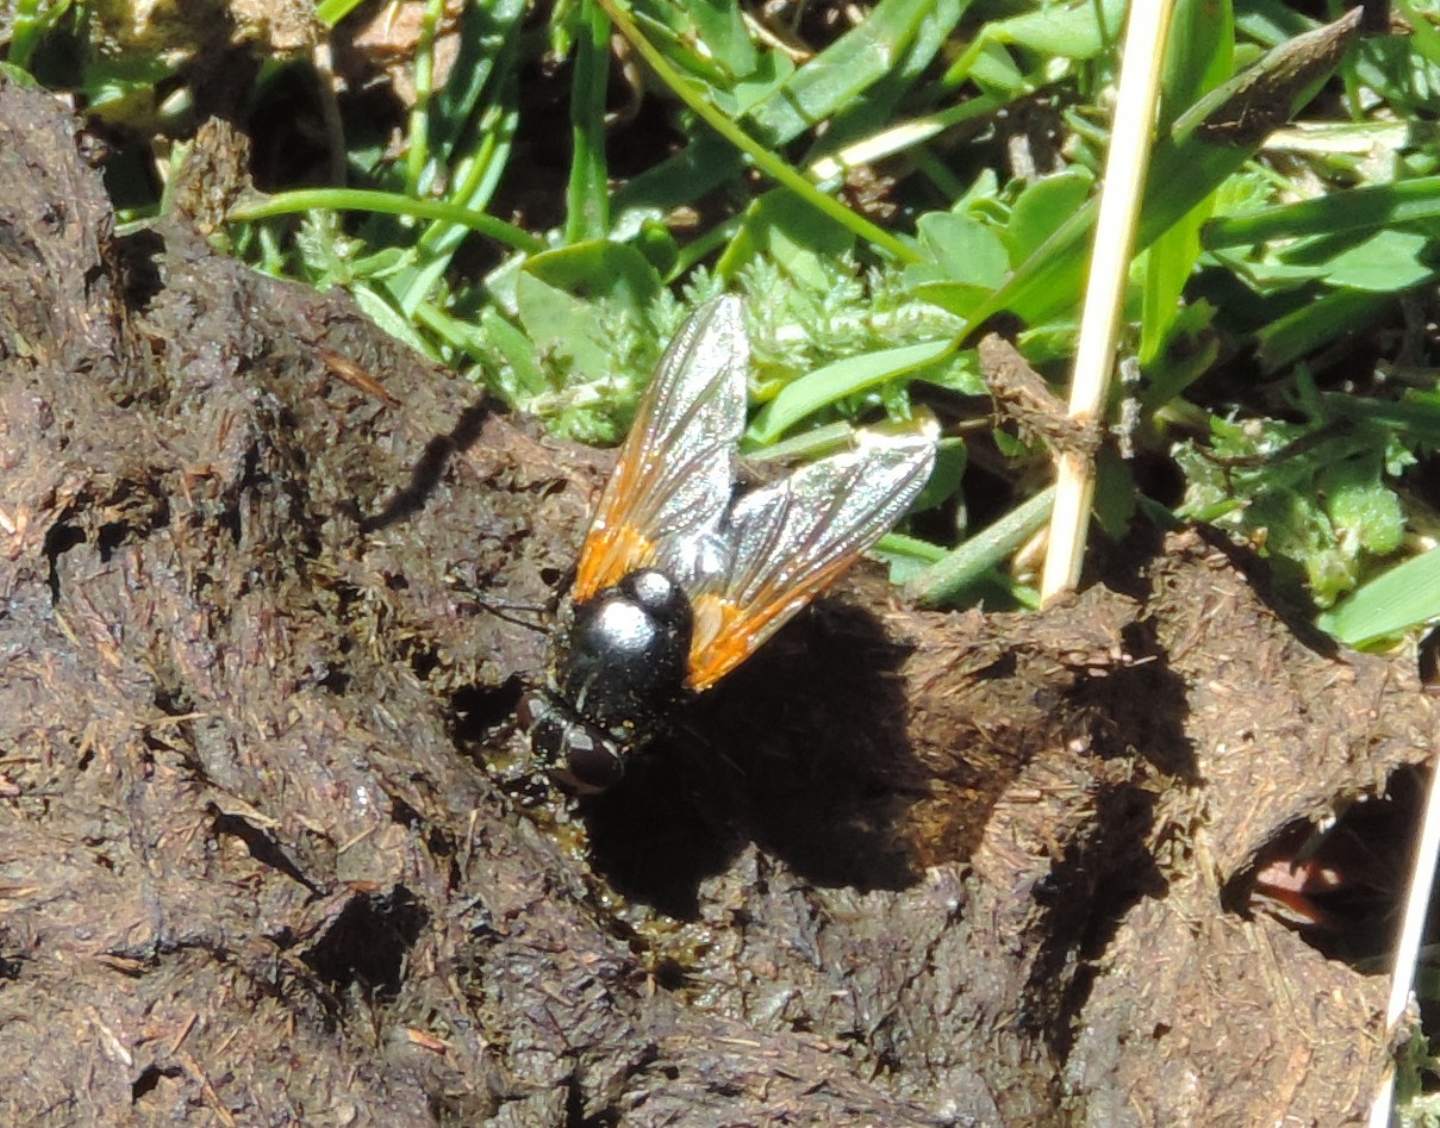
[677, 467]
[790, 540]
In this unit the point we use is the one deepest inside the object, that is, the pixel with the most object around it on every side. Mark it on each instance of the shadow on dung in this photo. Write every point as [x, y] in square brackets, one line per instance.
[802, 750]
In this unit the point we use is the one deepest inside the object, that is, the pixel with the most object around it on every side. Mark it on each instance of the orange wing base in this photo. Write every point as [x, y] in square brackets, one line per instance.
[611, 553]
[727, 633]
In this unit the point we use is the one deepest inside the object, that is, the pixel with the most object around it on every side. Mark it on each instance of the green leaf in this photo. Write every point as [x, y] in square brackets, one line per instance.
[1361, 505]
[1115, 494]
[840, 73]
[659, 247]
[1199, 52]
[968, 261]
[21, 78]
[1315, 324]
[331, 12]
[1385, 262]
[31, 22]
[382, 263]
[877, 110]
[1315, 494]
[994, 71]
[600, 270]
[1414, 420]
[1188, 350]
[1404, 596]
[587, 197]
[963, 249]
[1167, 265]
[960, 373]
[519, 354]
[1080, 30]
[1198, 57]
[826, 385]
[769, 76]
[385, 315]
[944, 483]
[563, 326]
[413, 286]
[1043, 207]
[786, 229]
[487, 38]
[906, 556]
[1271, 275]
[722, 29]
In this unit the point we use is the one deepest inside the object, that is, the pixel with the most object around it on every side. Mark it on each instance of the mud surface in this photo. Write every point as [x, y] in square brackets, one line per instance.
[260, 635]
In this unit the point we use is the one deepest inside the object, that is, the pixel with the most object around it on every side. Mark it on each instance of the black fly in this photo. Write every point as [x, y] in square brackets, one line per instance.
[678, 583]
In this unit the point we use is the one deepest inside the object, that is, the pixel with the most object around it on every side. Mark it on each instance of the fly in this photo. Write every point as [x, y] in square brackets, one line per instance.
[679, 582]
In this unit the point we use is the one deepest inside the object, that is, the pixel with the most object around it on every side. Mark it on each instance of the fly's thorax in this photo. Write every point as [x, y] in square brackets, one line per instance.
[621, 657]
[696, 561]
[617, 669]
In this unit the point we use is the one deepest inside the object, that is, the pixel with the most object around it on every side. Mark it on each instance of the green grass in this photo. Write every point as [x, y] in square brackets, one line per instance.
[541, 215]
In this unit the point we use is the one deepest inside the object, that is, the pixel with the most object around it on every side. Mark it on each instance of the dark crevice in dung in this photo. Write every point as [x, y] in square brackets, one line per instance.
[369, 941]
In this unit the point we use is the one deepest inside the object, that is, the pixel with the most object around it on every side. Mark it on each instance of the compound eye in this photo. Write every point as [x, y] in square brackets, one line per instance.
[592, 762]
[547, 737]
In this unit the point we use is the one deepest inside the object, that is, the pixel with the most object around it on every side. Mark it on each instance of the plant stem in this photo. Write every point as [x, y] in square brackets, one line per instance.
[767, 161]
[986, 549]
[359, 199]
[1120, 201]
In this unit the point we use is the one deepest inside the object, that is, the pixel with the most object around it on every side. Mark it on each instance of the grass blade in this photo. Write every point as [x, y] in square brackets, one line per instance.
[1359, 209]
[587, 197]
[824, 86]
[835, 381]
[1404, 596]
[987, 549]
[1206, 145]
[765, 159]
[388, 203]
[417, 154]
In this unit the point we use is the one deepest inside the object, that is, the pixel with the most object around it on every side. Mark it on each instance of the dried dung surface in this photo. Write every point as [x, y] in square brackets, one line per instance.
[263, 858]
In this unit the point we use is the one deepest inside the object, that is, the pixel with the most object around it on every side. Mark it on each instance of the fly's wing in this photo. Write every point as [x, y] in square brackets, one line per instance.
[792, 539]
[677, 466]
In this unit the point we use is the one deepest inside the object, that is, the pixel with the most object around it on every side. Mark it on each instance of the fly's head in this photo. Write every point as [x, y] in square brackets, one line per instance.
[581, 755]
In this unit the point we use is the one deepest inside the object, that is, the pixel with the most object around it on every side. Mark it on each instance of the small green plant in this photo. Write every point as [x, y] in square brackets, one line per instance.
[880, 188]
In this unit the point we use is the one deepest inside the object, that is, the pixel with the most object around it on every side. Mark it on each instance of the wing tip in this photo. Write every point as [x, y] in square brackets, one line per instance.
[725, 314]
